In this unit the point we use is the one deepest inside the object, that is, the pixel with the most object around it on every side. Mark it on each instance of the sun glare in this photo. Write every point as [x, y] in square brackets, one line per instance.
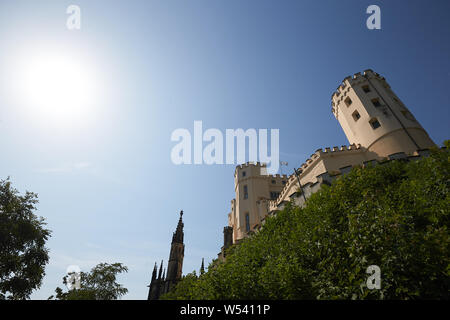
[57, 88]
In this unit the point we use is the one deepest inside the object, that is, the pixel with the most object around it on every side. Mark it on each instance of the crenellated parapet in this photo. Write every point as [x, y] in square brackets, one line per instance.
[253, 169]
[335, 149]
[251, 164]
[279, 176]
[320, 153]
[287, 194]
[342, 90]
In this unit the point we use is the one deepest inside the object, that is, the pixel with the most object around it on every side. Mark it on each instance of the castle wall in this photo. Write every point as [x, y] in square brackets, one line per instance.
[399, 140]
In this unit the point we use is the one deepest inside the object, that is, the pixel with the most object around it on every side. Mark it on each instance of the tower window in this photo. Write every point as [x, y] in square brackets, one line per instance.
[247, 222]
[245, 192]
[273, 182]
[244, 173]
[348, 101]
[356, 115]
[366, 89]
[376, 102]
[375, 123]
[283, 182]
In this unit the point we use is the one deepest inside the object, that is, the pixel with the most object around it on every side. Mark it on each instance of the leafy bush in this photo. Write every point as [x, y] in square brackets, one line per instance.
[98, 284]
[23, 236]
[393, 215]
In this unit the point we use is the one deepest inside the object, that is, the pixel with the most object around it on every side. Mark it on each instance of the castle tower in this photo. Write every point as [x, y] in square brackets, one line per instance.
[372, 115]
[253, 186]
[175, 266]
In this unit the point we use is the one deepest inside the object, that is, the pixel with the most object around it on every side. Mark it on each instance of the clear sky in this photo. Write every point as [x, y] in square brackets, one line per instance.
[100, 162]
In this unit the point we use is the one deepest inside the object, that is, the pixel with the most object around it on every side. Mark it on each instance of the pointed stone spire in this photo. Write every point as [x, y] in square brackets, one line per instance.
[164, 274]
[178, 234]
[154, 272]
[202, 268]
[160, 270]
[153, 291]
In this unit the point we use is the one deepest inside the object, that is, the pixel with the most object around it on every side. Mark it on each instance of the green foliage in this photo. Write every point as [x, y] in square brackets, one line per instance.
[23, 254]
[98, 284]
[185, 288]
[393, 215]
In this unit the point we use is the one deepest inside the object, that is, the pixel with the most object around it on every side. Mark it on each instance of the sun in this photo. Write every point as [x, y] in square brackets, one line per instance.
[57, 88]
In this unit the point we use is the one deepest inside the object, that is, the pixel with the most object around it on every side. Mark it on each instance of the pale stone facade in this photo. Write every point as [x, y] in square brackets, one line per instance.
[253, 188]
[365, 101]
[377, 125]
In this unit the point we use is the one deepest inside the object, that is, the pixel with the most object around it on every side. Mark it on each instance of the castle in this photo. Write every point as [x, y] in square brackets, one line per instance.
[377, 125]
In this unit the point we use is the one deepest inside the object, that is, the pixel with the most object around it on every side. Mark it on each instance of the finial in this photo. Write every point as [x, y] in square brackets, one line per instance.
[181, 213]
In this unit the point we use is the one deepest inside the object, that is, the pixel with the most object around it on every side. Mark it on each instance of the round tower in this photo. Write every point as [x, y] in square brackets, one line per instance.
[372, 115]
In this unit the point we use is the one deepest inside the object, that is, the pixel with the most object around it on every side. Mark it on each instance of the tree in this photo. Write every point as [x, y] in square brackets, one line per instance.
[23, 254]
[98, 284]
[185, 288]
[394, 215]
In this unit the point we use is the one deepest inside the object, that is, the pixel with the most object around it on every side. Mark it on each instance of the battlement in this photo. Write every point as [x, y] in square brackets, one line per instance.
[278, 176]
[339, 149]
[291, 180]
[357, 78]
[316, 155]
[319, 154]
[327, 151]
[251, 165]
[327, 177]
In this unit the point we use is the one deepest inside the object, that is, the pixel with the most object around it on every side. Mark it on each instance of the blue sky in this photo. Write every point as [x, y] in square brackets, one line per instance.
[107, 187]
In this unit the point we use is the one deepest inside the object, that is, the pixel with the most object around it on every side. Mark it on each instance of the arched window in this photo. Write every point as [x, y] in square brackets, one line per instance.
[247, 222]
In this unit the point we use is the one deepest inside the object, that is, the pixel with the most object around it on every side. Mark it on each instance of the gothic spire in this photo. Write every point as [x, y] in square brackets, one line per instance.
[160, 270]
[154, 272]
[178, 235]
[202, 268]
